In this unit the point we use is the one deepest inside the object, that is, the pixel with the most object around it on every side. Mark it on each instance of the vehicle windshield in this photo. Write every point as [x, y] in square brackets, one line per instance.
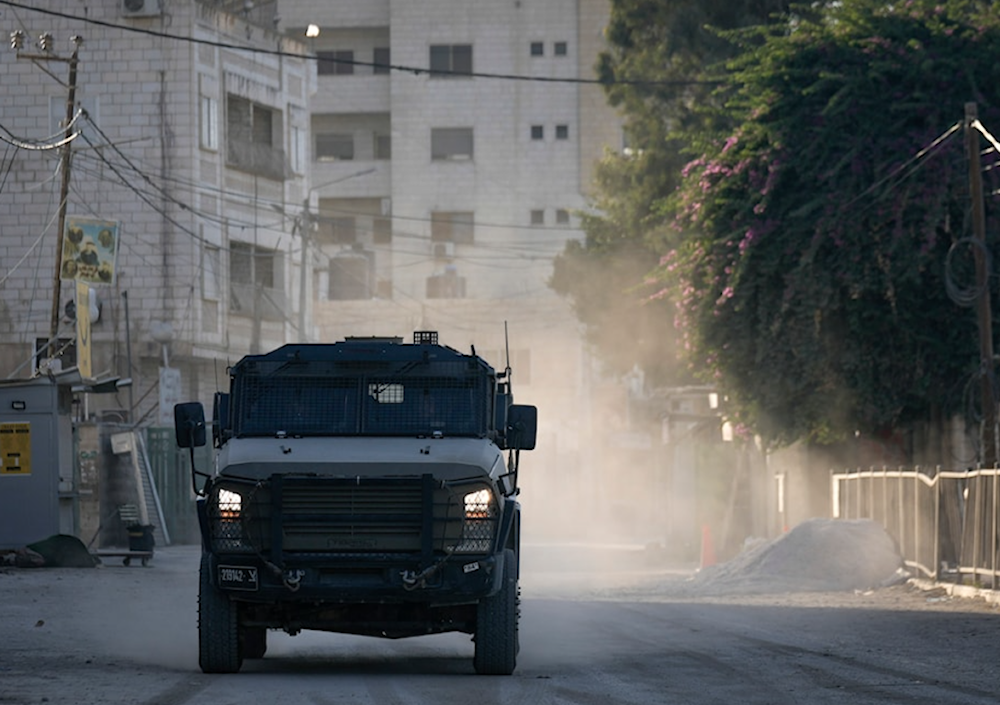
[308, 405]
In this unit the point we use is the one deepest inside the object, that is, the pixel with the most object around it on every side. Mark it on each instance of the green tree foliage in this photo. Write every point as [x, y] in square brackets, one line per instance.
[654, 73]
[811, 280]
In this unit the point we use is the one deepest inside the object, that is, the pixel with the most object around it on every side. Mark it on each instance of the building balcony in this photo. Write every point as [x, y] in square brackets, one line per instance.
[255, 158]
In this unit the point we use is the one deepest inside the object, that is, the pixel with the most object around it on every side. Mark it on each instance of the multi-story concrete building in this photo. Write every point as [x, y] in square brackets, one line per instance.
[192, 140]
[452, 146]
[421, 170]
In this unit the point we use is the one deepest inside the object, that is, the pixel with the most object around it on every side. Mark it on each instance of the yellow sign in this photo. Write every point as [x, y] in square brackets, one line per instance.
[83, 330]
[15, 448]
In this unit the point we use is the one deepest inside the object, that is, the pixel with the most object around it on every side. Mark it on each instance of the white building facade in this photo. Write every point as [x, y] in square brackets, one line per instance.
[193, 141]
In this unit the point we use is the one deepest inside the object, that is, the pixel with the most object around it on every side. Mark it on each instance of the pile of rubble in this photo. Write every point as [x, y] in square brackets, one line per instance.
[817, 555]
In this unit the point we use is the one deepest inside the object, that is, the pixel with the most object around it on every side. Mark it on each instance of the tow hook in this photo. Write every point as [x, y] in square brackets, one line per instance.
[293, 579]
[413, 580]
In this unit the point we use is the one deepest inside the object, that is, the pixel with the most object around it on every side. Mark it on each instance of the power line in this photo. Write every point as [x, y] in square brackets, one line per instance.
[198, 187]
[45, 143]
[526, 251]
[923, 152]
[530, 246]
[416, 70]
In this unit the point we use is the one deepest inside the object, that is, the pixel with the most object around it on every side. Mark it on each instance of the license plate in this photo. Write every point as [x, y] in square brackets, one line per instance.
[233, 577]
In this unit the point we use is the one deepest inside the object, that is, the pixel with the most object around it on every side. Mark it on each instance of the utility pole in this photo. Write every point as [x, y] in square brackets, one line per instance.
[304, 225]
[983, 312]
[45, 45]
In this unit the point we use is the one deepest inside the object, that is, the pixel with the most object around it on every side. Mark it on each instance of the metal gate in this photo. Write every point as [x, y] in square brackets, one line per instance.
[171, 470]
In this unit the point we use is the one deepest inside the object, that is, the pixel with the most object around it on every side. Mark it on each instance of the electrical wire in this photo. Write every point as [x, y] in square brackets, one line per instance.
[8, 166]
[45, 143]
[522, 250]
[967, 296]
[197, 188]
[45, 230]
[923, 152]
[415, 70]
[976, 125]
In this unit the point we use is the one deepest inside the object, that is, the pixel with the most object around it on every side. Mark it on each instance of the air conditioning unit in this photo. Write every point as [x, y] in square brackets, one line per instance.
[443, 250]
[141, 8]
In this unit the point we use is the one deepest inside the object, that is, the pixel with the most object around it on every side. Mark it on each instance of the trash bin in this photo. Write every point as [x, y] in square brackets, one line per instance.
[140, 537]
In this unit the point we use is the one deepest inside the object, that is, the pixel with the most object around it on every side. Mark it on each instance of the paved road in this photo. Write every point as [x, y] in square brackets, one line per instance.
[127, 635]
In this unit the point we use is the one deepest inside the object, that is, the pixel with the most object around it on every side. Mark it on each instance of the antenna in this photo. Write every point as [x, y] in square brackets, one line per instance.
[506, 342]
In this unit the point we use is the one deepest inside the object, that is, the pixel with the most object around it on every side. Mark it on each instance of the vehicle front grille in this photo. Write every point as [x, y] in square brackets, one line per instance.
[358, 516]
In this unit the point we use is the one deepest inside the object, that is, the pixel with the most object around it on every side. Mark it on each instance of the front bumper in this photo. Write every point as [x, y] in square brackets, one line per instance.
[333, 578]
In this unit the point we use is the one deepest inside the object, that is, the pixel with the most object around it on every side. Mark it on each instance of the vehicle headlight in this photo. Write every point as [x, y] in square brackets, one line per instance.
[226, 516]
[477, 504]
[230, 504]
[480, 522]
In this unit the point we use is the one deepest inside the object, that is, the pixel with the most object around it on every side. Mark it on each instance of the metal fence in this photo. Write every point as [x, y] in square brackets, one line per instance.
[944, 522]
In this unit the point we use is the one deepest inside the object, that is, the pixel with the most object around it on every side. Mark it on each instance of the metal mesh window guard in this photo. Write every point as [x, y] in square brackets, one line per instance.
[310, 398]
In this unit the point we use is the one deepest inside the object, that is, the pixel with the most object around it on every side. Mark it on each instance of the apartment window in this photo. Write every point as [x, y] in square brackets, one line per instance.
[249, 264]
[560, 49]
[562, 132]
[250, 138]
[537, 132]
[335, 63]
[380, 57]
[382, 231]
[334, 147]
[383, 146]
[255, 281]
[451, 143]
[209, 122]
[249, 122]
[538, 49]
[449, 60]
[562, 216]
[452, 226]
[538, 217]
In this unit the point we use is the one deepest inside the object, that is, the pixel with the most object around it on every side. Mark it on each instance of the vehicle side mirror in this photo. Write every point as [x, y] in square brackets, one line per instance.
[189, 424]
[522, 426]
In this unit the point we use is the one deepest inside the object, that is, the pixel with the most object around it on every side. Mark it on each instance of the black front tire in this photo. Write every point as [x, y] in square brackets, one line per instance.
[218, 626]
[496, 625]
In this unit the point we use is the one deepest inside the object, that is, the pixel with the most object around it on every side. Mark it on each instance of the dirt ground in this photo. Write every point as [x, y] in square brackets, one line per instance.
[117, 634]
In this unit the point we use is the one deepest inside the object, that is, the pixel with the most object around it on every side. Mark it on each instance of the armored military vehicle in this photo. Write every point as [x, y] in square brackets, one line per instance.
[364, 487]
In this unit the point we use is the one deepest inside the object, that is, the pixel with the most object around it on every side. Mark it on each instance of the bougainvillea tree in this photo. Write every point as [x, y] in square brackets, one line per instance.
[654, 73]
[811, 282]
